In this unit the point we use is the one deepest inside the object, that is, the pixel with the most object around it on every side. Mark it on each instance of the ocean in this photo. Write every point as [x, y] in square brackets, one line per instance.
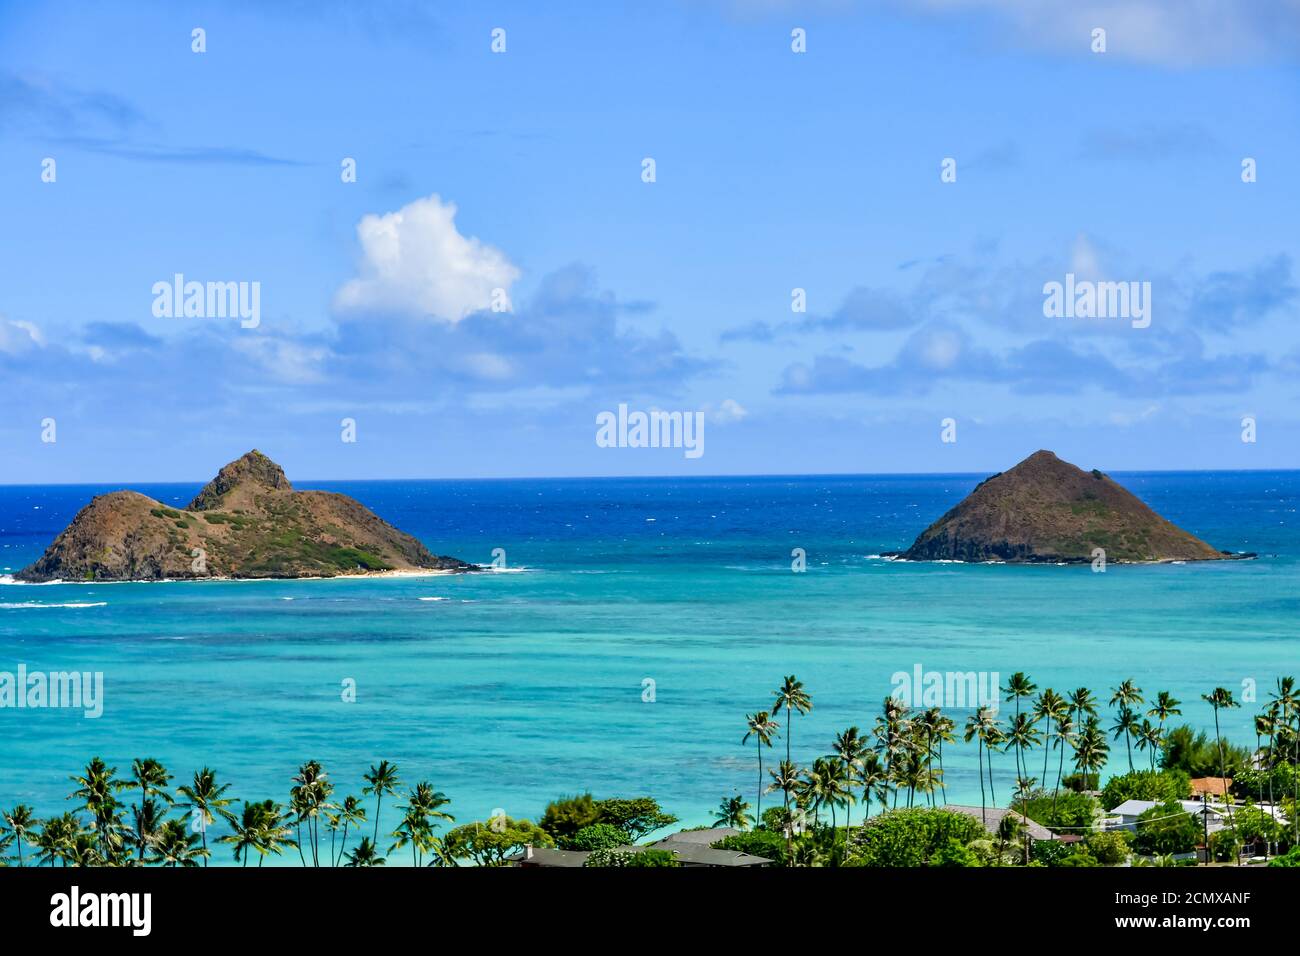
[508, 689]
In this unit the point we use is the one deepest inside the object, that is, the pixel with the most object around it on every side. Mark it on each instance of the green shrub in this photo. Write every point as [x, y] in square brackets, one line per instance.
[609, 856]
[911, 837]
[1069, 811]
[1290, 858]
[1197, 754]
[954, 853]
[1049, 852]
[1109, 848]
[1079, 782]
[598, 836]
[1166, 829]
[1157, 785]
[764, 843]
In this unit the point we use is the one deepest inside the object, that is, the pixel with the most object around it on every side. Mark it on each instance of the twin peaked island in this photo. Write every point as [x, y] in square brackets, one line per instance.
[248, 522]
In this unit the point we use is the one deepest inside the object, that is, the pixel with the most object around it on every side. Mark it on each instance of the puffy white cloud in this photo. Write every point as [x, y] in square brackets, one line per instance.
[415, 262]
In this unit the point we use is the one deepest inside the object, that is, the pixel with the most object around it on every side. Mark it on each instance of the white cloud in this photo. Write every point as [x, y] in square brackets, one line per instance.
[18, 337]
[415, 262]
[727, 412]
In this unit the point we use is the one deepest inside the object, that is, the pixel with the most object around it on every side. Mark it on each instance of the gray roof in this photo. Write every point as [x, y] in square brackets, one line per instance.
[544, 856]
[693, 854]
[706, 837]
[994, 817]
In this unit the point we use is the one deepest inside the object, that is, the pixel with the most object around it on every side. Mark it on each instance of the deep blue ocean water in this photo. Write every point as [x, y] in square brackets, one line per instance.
[508, 689]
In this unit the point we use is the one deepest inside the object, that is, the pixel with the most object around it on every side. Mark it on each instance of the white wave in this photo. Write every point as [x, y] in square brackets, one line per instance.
[33, 604]
[9, 579]
[431, 599]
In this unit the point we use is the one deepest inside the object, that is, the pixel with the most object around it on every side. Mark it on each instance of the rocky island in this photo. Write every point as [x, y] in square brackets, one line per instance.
[248, 522]
[1045, 510]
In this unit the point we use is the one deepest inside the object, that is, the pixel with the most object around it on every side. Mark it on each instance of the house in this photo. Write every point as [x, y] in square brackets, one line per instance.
[692, 848]
[991, 817]
[1125, 816]
[1213, 787]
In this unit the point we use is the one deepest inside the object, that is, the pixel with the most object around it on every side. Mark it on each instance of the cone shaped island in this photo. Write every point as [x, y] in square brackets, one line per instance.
[1045, 510]
[248, 522]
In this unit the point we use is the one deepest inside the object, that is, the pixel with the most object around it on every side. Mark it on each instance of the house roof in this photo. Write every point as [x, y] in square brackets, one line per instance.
[545, 856]
[1214, 786]
[697, 855]
[994, 816]
[706, 837]
[1133, 808]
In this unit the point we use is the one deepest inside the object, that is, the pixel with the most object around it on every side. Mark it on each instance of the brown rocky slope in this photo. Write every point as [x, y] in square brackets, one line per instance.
[1047, 510]
[248, 522]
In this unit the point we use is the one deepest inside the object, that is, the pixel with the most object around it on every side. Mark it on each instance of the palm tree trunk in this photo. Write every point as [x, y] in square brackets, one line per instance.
[979, 749]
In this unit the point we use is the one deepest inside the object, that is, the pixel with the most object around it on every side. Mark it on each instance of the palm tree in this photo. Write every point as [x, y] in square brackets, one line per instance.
[761, 728]
[1126, 726]
[350, 811]
[309, 799]
[1090, 750]
[18, 822]
[97, 789]
[975, 725]
[1166, 706]
[1019, 687]
[246, 832]
[1049, 707]
[1062, 737]
[1023, 735]
[786, 779]
[849, 748]
[147, 820]
[175, 846]
[732, 812]
[942, 728]
[380, 780]
[1082, 703]
[150, 777]
[206, 801]
[1288, 704]
[1148, 737]
[422, 807]
[1221, 699]
[794, 699]
[57, 838]
[365, 854]
[874, 783]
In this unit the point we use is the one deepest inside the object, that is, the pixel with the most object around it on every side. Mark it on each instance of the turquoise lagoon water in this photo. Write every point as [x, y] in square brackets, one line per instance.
[508, 689]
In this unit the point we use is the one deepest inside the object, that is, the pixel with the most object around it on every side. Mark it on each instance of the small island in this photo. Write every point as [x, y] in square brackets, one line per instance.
[248, 522]
[1045, 510]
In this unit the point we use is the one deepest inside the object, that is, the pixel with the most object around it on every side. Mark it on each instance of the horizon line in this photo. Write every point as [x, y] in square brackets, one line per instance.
[643, 477]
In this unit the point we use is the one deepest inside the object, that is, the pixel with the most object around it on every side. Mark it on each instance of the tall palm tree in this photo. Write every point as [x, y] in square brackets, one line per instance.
[380, 780]
[1049, 707]
[206, 801]
[942, 728]
[1288, 704]
[309, 798]
[421, 809]
[350, 811]
[733, 812]
[246, 832]
[849, 747]
[1019, 687]
[1221, 699]
[57, 838]
[975, 726]
[1023, 735]
[150, 777]
[761, 728]
[1062, 737]
[791, 696]
[1082, 704]
[1126, 726]
[19, 822]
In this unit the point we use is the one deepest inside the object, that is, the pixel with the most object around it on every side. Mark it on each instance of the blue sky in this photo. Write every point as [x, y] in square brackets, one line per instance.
[522, 171]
